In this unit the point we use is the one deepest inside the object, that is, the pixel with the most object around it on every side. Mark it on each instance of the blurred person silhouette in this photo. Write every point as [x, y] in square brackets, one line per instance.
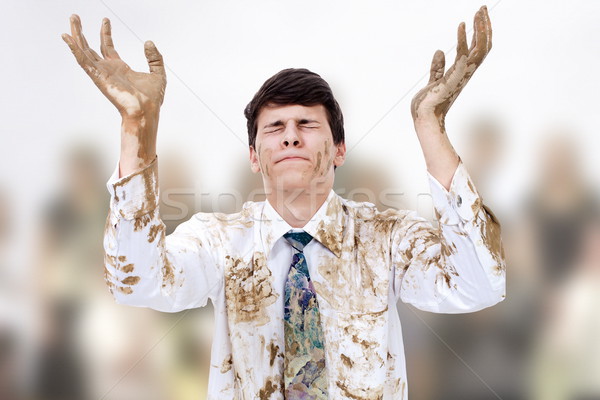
[558, 208]
[189, 346]
[121, 362]
[69, 259]
[546, 239]
[481, 355]
[11, 377]
[566, 362]
[85, 352]
[189, 363]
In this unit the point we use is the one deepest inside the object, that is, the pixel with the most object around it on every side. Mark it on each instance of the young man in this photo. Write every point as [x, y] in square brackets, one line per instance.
[326, 327]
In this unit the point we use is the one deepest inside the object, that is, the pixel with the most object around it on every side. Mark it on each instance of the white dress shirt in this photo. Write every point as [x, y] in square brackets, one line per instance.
[361, 262]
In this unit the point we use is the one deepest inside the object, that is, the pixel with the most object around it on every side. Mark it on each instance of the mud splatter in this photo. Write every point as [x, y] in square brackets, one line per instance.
[131, 280]
[318, 164]
[227, 364]
[147, 210]
[168, 273]
[125, 290]
[273, 350]
[346, 360]
[154, 230]
[264, 157]
[330, 231]
[127, 268]
[490, 232]
[248, 289]
[142, 221]
[359, 394]
[272, 385]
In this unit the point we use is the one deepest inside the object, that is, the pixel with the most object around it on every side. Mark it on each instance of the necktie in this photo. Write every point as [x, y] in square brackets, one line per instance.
[305, 375]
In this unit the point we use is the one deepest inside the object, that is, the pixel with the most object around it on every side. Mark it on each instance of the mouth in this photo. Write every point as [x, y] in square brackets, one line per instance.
[291, 158]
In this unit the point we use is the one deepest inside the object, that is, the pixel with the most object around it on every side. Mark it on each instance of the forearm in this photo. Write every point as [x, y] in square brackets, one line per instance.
[138, 143]
[440, 157]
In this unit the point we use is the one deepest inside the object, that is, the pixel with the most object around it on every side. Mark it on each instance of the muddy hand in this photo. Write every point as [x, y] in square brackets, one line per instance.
[133, 93]
[435, 99]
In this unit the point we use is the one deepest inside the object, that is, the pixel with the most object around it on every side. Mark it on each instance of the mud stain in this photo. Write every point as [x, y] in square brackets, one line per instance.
[154, 231]
[131, 280]
[227, 364]
[273, 350]
[272, 385]
[248, 289]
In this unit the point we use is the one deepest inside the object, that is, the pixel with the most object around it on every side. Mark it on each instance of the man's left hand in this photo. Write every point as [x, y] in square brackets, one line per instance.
[435, 99]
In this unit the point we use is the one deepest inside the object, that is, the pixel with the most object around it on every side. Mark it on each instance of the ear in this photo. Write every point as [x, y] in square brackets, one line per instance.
[254, 163]
[340, 155]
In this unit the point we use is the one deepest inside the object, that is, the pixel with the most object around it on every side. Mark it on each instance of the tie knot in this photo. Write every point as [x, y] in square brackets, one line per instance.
[298, 239]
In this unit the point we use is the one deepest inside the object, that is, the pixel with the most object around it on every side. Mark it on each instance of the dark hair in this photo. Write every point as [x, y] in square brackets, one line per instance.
[295, 86]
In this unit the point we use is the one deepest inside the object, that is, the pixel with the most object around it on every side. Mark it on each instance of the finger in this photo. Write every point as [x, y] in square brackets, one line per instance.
[488, 28]
[107, 47]
[481, 36]
[77, 34]
[155, 59]
[92, 54]
[82, 57]
[474, 38]
[461, 47]
[437, 66]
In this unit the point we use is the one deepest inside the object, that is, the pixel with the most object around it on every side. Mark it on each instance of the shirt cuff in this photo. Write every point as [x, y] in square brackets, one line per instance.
[461, 203]
[136, 194]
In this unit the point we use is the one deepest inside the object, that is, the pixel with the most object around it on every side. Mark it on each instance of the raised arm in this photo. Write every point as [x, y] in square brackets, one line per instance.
[460, 266]
[143, 266]
[431, 104]
[137, 95]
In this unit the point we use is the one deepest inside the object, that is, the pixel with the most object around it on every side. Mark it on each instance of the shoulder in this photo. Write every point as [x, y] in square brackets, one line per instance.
[245, 218]
[367, 213]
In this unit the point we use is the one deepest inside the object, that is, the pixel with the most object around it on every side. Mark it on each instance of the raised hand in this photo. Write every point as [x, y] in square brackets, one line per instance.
[435, 99]
[130, 91]
[137, 95]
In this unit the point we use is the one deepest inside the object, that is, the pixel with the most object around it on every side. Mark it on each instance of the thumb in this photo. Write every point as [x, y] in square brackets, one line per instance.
[155, 59]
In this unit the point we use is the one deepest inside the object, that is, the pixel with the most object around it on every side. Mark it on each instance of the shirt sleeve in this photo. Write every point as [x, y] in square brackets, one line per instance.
[144, 268]
[457, 267]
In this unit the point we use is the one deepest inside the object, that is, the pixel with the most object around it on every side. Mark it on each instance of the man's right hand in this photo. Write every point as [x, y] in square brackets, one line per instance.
[137, 95]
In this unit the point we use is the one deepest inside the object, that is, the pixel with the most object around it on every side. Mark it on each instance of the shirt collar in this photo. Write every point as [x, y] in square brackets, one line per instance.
[327, 225]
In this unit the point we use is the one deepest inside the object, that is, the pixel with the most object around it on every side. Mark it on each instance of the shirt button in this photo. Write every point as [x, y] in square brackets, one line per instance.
[458, 200]
[480, 243]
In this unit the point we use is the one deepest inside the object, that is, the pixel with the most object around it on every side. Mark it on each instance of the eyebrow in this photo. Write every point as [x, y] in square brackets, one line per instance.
[280, 122]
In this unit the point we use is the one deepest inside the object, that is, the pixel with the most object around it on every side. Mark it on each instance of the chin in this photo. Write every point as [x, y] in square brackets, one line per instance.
[298, 180]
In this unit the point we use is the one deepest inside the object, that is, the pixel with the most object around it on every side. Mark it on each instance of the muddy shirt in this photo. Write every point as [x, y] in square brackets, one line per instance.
[362, 262]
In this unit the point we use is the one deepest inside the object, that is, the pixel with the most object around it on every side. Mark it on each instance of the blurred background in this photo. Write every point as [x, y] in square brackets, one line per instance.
[525, 126]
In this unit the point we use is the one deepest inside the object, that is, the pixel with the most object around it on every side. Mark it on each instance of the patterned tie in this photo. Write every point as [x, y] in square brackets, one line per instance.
[305, 375]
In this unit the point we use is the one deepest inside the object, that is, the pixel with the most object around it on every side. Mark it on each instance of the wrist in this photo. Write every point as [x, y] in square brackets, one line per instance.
[138, 143]
[427, 123]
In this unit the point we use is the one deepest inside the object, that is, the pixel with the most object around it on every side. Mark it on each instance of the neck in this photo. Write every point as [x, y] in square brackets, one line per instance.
[297, 206]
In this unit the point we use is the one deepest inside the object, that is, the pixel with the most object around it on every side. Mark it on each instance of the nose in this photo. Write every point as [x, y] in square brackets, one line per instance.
[290, 137]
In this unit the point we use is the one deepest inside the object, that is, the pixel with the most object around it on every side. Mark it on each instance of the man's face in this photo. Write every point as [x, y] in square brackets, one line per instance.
[294, 148]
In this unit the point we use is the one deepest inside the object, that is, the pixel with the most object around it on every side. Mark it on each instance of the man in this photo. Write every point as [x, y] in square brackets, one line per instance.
[326, 327]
